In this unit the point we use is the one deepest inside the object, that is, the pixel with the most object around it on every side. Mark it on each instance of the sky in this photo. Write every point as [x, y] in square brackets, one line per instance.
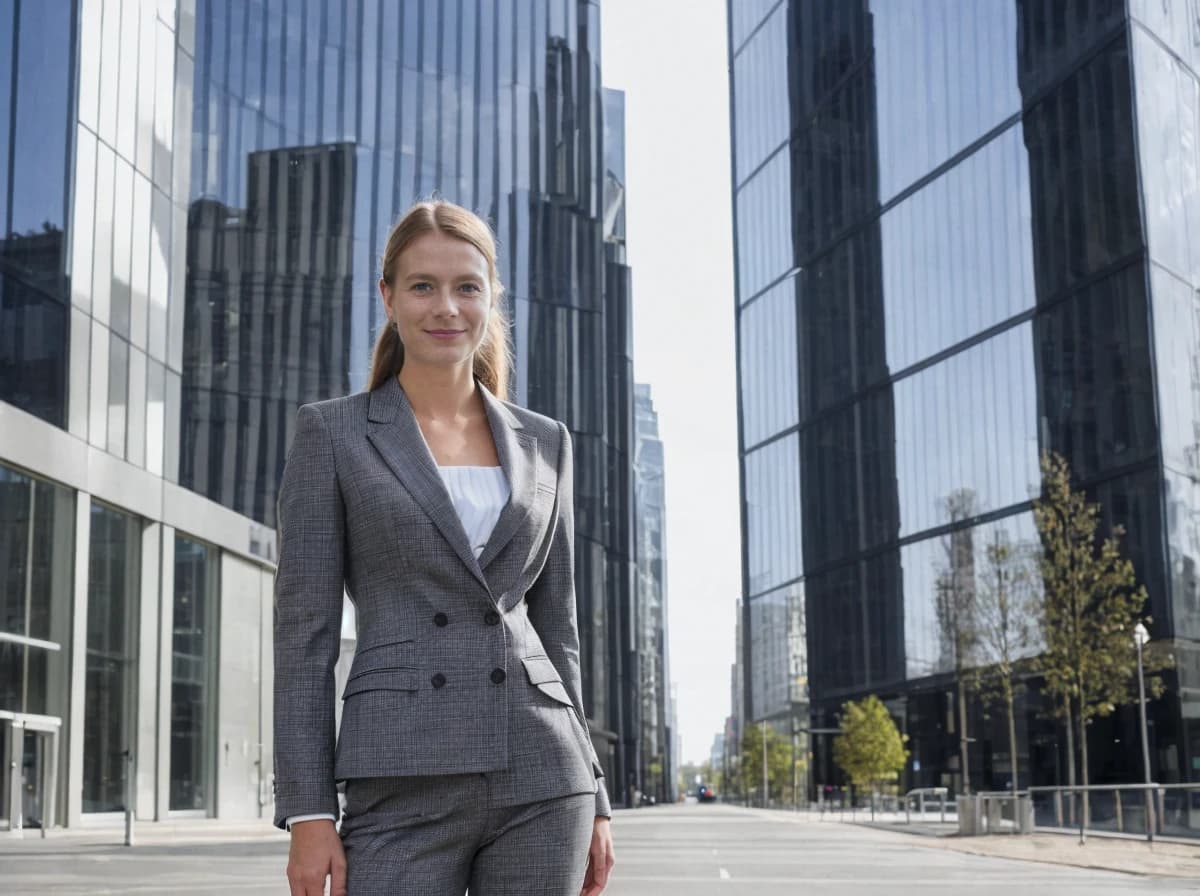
[669, 56]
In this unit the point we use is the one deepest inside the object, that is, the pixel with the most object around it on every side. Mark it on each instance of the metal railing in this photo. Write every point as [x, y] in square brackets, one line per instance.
[1150, 810]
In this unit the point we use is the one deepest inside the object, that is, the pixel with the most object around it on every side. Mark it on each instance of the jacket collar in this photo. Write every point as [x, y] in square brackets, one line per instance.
[394, 431]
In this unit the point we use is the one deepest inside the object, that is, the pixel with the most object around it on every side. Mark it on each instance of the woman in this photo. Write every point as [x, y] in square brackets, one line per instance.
[446, 513]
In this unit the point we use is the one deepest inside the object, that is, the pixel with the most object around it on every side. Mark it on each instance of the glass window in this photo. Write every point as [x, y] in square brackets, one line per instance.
[42, 118]
[1097, 394]
[139, 275]
[164, 105]
[958, 254]
[110, 70]
[969, 422]
[778, 671]
[1084, 182]
[945, 74]
[767, 358]
[764, 229]
[90, 24]
[745, 16]
[118, 393]
[146, 66]
[772, 499]
[37, 533]
[1177, 359]
[127, 109]
[82, 223]
[155, 416]
[954, 574]
[111, 680]
[760, 94]
[102, 245]
[193, 675]
[122, 250]
[1168, 113]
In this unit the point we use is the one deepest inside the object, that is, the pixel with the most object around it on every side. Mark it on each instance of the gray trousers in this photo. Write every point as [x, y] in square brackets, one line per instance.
[439, 835]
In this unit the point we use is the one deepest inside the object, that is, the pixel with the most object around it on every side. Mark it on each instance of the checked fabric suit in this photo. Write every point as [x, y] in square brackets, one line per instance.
[463, 665]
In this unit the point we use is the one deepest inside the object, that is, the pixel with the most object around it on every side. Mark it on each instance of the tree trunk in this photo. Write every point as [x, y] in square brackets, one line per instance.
[1083, 764]
[962, 734]
[1070, 757]
[1012, 740]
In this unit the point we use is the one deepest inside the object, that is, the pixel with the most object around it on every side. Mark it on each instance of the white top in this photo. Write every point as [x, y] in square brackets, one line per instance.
[478, 495]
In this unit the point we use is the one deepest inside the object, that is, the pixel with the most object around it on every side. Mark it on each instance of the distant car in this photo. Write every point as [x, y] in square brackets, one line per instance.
[705, 794]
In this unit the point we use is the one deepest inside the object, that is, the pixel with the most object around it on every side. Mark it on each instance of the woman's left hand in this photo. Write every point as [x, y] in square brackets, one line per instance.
[600, 858]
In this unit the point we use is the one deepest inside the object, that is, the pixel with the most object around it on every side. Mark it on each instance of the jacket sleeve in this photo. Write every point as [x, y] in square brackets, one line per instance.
[552, 601]
[309, 584]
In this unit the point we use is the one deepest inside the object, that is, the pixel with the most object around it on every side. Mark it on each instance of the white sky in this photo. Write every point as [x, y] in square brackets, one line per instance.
[669, 56]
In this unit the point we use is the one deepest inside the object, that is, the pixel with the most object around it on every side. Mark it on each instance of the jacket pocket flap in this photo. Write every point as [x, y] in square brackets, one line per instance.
[382, 680]
[391, 655]
[540, 669]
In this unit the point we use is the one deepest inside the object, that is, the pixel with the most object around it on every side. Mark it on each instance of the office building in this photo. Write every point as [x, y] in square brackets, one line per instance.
[963, 238]
[195, 194]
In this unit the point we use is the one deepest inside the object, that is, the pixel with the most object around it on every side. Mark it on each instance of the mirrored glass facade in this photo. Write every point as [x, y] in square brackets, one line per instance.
[943, 270]
[313, 128]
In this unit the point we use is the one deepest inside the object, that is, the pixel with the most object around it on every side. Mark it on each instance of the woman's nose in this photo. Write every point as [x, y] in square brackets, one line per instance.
[446, 303]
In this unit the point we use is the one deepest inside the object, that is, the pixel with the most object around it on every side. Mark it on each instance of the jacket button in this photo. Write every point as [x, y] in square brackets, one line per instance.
[491, 617]
[440, 620]
[498, 675]
[438, 680]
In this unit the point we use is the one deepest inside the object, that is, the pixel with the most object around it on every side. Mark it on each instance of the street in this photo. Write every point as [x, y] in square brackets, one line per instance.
[668, 851]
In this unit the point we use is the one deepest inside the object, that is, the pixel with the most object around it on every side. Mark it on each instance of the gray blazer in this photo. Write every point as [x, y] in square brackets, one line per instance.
[461, 665]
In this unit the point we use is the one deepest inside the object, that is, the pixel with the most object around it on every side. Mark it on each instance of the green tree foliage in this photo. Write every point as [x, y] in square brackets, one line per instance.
[870, 748]
[1091, 603]
[779, 761]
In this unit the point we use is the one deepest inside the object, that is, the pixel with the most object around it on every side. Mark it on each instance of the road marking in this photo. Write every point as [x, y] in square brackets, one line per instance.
[725, 875]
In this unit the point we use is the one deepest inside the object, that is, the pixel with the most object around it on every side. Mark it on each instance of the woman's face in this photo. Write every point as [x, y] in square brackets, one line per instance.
[440, 299]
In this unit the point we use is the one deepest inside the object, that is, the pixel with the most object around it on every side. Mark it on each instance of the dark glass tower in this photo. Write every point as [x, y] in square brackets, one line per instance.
[315, 127]
[962, 239]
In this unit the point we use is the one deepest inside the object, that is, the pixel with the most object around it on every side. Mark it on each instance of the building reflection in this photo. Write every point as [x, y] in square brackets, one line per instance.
[268, 320]
[934, 286]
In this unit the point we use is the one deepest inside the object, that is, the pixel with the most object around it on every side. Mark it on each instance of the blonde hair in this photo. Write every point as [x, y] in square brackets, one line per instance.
[493, 358]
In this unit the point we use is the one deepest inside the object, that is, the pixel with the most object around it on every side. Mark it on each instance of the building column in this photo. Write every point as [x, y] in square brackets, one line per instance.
[164, 648]
[73, 779]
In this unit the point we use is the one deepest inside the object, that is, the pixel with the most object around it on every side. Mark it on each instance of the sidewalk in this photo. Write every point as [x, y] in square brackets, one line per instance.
[173, 832]
[1106, 853]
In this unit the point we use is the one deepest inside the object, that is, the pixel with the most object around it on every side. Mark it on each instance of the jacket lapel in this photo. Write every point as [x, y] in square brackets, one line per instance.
[394, 431]
[517, 450]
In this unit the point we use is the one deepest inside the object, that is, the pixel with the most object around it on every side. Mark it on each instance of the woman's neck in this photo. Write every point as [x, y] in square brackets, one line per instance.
[439, 393]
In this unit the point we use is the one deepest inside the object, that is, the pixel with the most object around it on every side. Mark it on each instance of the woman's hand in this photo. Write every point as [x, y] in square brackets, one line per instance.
[600, 858]
[316, 852]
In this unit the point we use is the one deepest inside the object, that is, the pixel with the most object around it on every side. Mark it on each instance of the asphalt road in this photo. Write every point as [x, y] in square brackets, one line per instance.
[666, 851]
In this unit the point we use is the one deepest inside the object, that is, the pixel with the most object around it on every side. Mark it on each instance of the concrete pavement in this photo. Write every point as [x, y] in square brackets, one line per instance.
[663, 851]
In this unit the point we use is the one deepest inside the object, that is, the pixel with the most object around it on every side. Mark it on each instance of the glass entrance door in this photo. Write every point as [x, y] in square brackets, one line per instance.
[28, 792]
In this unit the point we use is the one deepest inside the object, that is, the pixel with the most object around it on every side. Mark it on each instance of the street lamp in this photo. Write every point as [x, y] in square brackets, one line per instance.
[1140, 638]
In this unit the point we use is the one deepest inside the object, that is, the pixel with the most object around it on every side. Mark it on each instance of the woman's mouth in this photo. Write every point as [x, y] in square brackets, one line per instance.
[445, 334]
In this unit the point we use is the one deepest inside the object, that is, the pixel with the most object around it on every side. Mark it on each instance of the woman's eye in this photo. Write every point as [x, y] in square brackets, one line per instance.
[470, 287]
[420, 287]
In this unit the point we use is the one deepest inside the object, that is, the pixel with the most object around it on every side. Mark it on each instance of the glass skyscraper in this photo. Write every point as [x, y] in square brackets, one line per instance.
[195, 195]
[965, 235]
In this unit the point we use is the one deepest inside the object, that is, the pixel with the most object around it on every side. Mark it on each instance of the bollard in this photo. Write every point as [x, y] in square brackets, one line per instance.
[1120, 817]
[130, 788]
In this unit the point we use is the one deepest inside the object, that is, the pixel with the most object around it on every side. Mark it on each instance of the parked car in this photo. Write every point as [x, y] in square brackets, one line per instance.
[705, 794]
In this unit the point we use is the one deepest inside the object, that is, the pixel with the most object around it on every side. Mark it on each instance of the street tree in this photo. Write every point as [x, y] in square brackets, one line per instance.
[1006, 607]
[870, 749]
[1091, 603]
[956, 611]
[779, 761]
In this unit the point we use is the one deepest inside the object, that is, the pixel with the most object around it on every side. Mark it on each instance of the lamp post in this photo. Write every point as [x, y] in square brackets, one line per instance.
[1140, 638]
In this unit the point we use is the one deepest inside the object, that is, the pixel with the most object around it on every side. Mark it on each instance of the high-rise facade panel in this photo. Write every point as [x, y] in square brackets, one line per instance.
[958, 247]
